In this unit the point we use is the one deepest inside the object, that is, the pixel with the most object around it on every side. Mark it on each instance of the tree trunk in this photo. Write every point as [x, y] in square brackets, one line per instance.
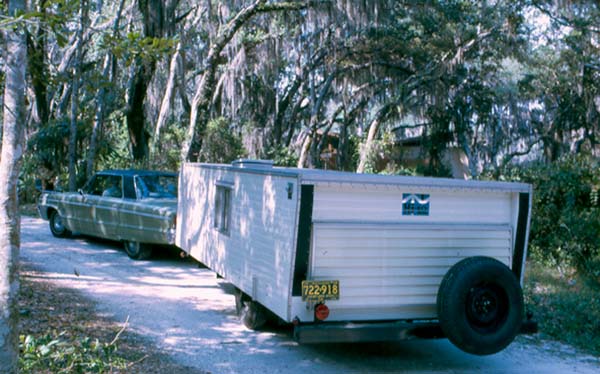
[100, 98]
[75, 99]
[10, 163]
[159, 21]
[135, 116]
[373, 130]
[307, 158]
[38, 71]
[201, 103]
[366, 150]
[305, 150]
[167, 100]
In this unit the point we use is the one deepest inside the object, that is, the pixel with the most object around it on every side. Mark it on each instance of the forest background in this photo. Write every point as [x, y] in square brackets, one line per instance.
[336, 84]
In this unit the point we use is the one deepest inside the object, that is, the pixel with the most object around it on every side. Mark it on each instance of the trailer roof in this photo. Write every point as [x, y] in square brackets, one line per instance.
[316, 176]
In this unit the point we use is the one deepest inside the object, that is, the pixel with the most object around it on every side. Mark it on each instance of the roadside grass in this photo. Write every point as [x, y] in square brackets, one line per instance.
[61, 332]
[566, 306]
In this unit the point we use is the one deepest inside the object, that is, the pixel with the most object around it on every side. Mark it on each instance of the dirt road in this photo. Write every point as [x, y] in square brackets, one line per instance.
[190, 314]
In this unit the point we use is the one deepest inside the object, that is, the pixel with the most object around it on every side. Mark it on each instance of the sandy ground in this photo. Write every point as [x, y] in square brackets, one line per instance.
[190, 315]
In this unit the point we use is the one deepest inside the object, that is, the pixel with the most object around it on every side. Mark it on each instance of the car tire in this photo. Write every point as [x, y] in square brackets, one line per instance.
[253, 315]
[136, 250]
[57, 227]
[480, 305]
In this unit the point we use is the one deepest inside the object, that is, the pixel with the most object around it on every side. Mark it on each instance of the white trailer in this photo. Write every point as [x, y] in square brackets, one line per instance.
[361, 257]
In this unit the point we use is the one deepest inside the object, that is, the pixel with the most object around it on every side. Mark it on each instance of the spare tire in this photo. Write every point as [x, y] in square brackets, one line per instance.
[480, 305]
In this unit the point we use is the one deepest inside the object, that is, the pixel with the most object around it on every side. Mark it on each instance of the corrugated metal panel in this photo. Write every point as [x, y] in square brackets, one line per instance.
[384, 203]
[394, 270]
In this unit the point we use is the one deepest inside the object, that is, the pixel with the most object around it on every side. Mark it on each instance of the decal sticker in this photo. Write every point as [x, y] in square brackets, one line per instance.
[415, 204]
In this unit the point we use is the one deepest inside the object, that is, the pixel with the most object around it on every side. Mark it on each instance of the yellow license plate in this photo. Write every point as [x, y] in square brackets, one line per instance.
[320, 290]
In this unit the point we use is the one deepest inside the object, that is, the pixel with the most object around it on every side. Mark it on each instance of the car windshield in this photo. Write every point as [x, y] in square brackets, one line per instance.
[156, 186]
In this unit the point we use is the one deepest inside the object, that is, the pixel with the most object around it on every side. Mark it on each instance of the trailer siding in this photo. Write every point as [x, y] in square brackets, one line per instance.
[256, 254]
[347, 227]
[384, 203]
[390, 265]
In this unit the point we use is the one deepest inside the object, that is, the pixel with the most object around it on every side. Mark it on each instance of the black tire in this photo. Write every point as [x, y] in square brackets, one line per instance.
[253, 315]
[480, 305]
[137, 250]
[57, 226]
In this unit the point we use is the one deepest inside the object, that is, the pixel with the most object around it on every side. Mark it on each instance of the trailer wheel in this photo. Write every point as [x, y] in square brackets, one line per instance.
[136, 250]
[240, 300]
[480, 305]
[253, 315]
[57, 226]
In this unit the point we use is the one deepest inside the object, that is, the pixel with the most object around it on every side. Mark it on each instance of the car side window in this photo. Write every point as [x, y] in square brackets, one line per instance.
[94, 186]
[113, 187]
[106, 185]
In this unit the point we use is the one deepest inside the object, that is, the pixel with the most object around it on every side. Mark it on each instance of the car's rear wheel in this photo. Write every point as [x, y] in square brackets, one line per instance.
[137, 251]
[57, 227]
[480, 305]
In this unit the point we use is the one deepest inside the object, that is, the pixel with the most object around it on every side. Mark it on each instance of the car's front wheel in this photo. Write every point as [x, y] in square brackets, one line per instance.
[137, 250]
[57, 227]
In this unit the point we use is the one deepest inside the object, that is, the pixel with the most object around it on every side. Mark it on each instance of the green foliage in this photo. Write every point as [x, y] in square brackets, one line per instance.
[565, 226]
[567, 308]
[220, 144]
[168, 156]
[56, 354]
[282, 156]
[135, 46]
[381, 153]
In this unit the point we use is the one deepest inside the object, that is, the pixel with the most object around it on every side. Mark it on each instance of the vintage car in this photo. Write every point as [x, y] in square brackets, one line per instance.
[136, 207]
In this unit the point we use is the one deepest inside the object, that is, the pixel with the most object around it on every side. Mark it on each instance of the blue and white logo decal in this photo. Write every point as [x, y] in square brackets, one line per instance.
[415, 204]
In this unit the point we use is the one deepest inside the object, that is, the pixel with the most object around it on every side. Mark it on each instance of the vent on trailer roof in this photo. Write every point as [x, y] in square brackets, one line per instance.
[254, 164]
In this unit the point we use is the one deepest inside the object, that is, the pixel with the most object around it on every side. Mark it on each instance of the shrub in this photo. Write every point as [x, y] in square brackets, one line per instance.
[565, 226]
[220, 144]
[567, 308]
[56, 354]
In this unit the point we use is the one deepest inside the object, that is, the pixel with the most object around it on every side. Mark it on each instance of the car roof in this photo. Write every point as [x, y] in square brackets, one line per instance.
[134, 172]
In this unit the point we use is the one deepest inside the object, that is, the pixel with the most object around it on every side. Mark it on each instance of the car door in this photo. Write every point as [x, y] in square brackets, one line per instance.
[73, 208]
[144, 219]
[79, 208]
[107, 200]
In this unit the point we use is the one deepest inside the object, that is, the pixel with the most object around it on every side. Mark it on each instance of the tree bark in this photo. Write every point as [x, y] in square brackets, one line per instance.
[75, 99]
[318, 100]
[38, 71]
[101, 99]
[373, 131]
[202, 97]
[159, 21]
[168, 98]
[10, 164]
[201, 101]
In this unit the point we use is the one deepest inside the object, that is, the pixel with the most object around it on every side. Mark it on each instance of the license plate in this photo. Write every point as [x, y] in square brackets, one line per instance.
[320, 290]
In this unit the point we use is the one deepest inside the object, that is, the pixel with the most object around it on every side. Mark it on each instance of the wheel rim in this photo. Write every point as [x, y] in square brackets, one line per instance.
[487, 307]
[57, 223]
[132, 248]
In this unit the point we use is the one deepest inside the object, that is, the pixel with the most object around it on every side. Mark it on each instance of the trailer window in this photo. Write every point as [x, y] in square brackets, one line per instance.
[222, 208]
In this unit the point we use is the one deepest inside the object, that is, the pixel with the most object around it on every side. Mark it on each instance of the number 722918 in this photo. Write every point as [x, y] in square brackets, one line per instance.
[320, 290]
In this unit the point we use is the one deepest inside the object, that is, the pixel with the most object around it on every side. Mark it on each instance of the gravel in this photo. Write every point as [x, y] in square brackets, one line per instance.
[189, 315]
